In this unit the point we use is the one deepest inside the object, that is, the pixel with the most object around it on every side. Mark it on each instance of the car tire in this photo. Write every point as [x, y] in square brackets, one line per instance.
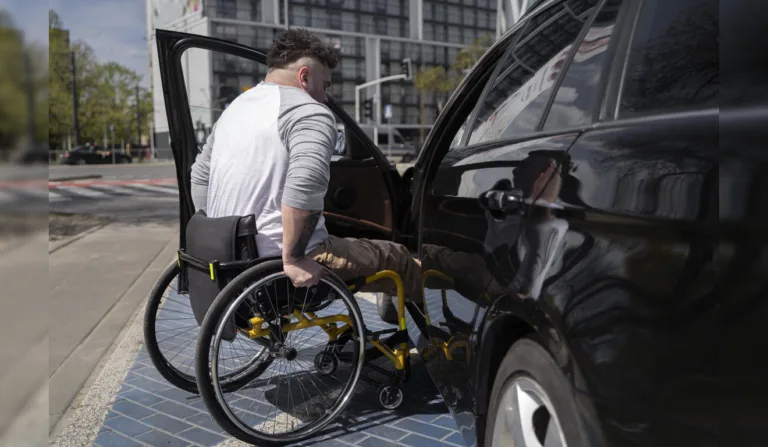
[529, 368]
[387, 308]
[80, 162]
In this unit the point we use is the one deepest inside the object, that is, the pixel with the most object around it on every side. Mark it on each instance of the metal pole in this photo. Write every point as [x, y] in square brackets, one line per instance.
[75, 123]
[389, 138]
[357, 104]
[112, 143]
[138, 118]
[368, 84]
[375, 120]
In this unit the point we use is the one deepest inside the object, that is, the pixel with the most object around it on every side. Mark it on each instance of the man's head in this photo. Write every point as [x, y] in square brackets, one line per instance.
[300, 59]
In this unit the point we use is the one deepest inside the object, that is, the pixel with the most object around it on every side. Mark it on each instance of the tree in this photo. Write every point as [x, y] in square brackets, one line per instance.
[106, 93]
[430, 80]
[23, 82]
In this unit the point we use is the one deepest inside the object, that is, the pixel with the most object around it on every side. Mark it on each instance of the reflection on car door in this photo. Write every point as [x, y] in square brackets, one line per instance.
[484, 191]
[363, 198]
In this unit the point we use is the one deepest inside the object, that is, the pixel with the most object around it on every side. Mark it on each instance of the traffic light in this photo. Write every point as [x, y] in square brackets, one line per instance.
[368, 109]
[406, 67]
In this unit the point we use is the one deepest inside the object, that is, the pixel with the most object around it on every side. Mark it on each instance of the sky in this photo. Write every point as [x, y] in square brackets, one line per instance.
[115, 29]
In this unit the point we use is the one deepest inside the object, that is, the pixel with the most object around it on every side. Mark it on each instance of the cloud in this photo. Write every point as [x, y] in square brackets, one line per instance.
[115, 29]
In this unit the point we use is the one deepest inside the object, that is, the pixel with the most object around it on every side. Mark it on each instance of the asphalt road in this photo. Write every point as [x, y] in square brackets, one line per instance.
[120, 208]
[115, 172]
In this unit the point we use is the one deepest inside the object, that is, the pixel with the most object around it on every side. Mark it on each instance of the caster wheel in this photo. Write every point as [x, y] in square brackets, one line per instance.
[326, 363]
[390, 397]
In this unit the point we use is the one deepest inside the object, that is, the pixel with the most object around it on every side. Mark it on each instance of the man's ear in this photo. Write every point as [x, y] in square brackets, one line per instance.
[304, 76]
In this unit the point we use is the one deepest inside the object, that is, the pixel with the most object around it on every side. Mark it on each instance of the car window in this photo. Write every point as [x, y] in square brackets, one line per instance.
[673, 60]
[521, 90]
[577, 95]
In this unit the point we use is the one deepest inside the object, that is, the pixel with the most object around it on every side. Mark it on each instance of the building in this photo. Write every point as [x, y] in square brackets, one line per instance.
[372, 36]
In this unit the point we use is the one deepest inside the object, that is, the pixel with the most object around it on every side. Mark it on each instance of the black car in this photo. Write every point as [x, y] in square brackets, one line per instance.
[95, 155]
[592, 225]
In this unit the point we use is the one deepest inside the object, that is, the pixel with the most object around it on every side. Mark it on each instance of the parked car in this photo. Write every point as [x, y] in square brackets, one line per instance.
[591, 226]
[93, 155]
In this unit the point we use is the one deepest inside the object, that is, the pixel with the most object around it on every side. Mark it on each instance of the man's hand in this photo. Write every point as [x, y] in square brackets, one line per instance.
[305, 272]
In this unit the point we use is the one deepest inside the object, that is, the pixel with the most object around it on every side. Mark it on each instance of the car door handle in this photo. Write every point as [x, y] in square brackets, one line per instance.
[502, 201]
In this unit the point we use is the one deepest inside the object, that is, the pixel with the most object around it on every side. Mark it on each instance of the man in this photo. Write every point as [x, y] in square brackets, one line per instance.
[269, 155]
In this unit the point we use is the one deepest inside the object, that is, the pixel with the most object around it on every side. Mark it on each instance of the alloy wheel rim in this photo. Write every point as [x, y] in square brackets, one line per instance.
[526, 417]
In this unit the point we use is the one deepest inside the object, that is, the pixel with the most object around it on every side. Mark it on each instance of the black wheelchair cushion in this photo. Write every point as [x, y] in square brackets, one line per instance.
[222, 239]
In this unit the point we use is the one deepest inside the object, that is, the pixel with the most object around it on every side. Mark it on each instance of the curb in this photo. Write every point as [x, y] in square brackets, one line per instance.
[58, 245]
[75, 177]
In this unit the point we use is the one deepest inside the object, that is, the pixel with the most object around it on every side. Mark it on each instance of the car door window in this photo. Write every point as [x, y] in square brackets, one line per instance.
[673, 60]
[519, 94]
[578, 94]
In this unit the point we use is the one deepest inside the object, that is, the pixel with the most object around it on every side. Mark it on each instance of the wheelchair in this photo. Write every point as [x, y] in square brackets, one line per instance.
[258, 335]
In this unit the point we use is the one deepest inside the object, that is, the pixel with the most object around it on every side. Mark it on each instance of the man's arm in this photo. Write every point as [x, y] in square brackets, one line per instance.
[309, 133]
[200, 175]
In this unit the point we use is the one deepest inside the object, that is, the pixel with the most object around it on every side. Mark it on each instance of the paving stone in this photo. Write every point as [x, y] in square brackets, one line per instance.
[132, 410]
[446, 421]
[157, 438]
[200, 436]
[174, 409]
[387, 432]
[421, 441]
[126, 426]
[141, 397]
[378, 442]
[108, 438]
[167, 423]
[421, 428]
[205, 420]
[455, 438]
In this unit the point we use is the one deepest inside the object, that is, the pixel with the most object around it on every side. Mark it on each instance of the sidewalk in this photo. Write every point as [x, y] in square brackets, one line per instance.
[127, 403]
[96, 284]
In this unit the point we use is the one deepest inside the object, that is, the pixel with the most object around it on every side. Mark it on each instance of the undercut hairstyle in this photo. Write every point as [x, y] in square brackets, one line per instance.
[295, 44]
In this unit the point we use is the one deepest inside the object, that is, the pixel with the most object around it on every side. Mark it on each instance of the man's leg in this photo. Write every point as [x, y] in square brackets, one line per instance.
[355, 258]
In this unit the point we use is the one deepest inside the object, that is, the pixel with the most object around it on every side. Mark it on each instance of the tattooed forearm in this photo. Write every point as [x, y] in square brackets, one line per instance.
[300, 247]
[298, 227]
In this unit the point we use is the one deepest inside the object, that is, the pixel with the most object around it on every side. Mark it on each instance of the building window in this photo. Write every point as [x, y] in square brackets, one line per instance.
[226, 8]
[299, 16]
[429, 31]
[348, 21]
[469, 16]
[427, 11]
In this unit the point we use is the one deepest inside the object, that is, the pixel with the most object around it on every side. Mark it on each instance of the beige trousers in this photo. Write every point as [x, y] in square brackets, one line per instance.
[353, 258]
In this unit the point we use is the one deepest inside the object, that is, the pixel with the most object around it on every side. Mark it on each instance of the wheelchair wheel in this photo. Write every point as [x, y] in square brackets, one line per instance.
[291, 400]
[171, 332]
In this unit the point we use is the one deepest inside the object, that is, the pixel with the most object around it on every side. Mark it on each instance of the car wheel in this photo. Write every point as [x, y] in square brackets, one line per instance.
[387, 308]
[80, 162]
[532, 404]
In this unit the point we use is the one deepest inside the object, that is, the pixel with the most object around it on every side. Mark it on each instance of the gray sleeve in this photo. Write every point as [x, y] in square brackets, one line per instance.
[201, 169]
[308, 131]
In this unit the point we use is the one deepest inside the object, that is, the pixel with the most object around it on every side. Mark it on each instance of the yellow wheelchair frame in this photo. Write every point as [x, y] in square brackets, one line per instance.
[438, 343]
[399, 356]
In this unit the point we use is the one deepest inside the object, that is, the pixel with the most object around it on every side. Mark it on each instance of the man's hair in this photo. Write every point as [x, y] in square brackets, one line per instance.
[295, 44]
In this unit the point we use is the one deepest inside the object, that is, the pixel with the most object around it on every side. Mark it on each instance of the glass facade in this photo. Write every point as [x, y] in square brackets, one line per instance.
[457, 22]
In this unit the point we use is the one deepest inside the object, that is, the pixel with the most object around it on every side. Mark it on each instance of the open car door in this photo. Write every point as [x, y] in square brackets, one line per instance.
[365, 196]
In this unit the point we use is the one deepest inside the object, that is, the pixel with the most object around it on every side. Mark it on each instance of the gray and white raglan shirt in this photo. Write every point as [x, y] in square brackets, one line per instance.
[272, 145]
